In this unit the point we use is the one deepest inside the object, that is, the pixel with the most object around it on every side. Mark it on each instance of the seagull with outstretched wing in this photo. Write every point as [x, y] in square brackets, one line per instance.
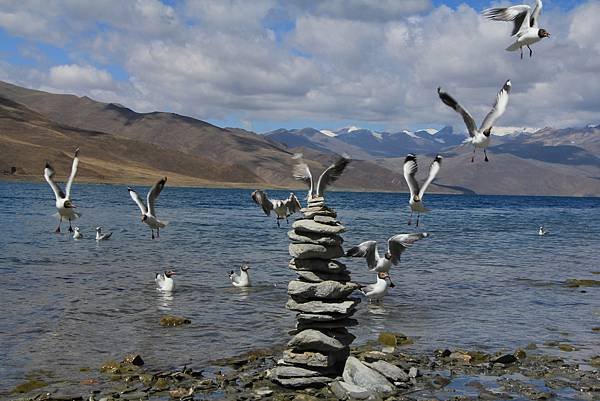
[149, 212]
[480, 137]
[397, 244]
[283, 208]
[329, 176]
[64, 205]
[525, 26]
[417, 192]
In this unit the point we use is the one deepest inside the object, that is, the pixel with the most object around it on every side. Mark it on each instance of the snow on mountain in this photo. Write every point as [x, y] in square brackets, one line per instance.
[502, 131]
[328, 133]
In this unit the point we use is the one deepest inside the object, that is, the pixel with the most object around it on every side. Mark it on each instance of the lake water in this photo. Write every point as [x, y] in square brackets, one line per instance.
[484, 279]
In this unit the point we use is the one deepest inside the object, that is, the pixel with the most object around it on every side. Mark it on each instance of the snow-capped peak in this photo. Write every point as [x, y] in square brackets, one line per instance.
[352, 128]
[501, 131]
[328, 133]
[431, 131]
[409, 133]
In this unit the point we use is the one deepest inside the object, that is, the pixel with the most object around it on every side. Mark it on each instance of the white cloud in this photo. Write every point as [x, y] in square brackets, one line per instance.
[355, 60]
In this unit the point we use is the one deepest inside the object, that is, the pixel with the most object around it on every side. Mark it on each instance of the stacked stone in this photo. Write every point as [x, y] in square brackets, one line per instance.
[320, 345]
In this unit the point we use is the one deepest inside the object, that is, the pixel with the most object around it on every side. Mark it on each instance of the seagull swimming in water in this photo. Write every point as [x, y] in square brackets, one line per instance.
[480, 138]
[378, 290]
[64, 205]
[77, 234]
[329, 176]
[282, 208]
[416, 192]
[542, 231]
[396, 246]
[100, 236]
[242, 279]
[525, 26]
[164, 281]
[149, 213]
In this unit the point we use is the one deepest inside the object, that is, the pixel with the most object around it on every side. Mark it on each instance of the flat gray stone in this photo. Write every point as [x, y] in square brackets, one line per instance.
[312, 251]
[330, 324]
[341, 307]
[326, 220]
[292, 371]
[310, 213]
[358, 374]
[314, 340]
[392, 372]
[311, 226]
[317, 265]
[306, 318]
[310, 238]
[343, 390]
[301, 382]
[309, 358]
[323, 290]
[318, 277]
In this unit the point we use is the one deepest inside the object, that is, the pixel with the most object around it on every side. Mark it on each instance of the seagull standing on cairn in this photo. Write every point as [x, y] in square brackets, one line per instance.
[282, 208]
[64, 205]
[525, 24]
[329, 176]
[149, 213]
[480, 138]
[416, 193]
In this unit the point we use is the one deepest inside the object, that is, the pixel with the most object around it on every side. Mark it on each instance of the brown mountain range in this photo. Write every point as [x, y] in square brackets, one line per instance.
[120, 145]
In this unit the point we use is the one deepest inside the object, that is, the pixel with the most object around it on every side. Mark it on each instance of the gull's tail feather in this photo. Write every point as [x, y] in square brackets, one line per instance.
[514, 47]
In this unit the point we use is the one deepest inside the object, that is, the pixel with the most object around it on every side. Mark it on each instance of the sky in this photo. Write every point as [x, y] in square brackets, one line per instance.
[268, 64]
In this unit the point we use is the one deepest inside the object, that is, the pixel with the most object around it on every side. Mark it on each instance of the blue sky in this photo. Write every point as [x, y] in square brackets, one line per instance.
[327, 64]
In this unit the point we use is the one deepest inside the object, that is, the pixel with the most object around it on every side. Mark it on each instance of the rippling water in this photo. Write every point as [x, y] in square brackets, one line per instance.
[484, 279]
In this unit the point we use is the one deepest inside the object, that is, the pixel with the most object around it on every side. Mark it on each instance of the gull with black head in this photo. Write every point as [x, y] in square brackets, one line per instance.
[64, 205]
[242, 279]
[329, 176]
[149, 213]
[282, 208]
[417, 192]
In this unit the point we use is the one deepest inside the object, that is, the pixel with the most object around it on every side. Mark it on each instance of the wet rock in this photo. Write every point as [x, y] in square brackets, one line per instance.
[172, 321]
[372, 356]
[309, 358]
[460, 356]
[343, 391]
[393, 340]
[28, 386]
[314, 340]
[301, 382]
[317, 307]
[311, 226]
[111, 367]
[133, 359]
[505, 359]
[317, 265]
[520, 354]
[414, 372]
[358, 374]
[314, 251]
[292, 371]
[572, 282]
[566, 347]
[595, 361]
[323, 290]
[392, 372]
[310, 238]
[318, 277]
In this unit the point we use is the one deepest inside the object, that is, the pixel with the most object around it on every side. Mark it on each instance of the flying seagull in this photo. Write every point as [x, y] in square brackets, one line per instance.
[149, 213]
[66, 208]
[480, 138]
[525, 24]
[329, 176]
[100, 236]
[164, 281]
[282, 208]
[378, 290]
[416, 192]
[242, 279]
[396, 246]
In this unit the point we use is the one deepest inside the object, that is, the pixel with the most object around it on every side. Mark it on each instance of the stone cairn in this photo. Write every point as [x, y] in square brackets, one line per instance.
[320, 345]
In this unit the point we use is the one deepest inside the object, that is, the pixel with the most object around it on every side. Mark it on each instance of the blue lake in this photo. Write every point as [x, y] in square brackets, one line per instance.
[484, 279]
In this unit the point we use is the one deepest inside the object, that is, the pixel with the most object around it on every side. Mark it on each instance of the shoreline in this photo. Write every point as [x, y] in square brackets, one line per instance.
[217, 185]
[444, 374]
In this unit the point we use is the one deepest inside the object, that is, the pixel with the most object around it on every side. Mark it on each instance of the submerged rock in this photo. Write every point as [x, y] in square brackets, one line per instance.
[358, 374]
[28, 386]
[323, 290]
[572, 282]
[133, 359]
[172, 320]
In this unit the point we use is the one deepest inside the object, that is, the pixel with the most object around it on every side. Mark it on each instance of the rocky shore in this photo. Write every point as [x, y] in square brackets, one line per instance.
[381, 369]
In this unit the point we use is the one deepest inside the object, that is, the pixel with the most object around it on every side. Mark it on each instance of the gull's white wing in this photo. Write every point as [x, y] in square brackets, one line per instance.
[367, 288]
[410, 169]
[368, 250]
[520, 15]
[73, 173]
[260, 198]
[136, 198]
[499, 107]
[452, 103]
[400, 242]
[160, 279]
[49, 176]
[302, 172]
[331, 174]
[153, 194]
[535, 15]
[234, 277]
[433, 171]
[292, 204]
